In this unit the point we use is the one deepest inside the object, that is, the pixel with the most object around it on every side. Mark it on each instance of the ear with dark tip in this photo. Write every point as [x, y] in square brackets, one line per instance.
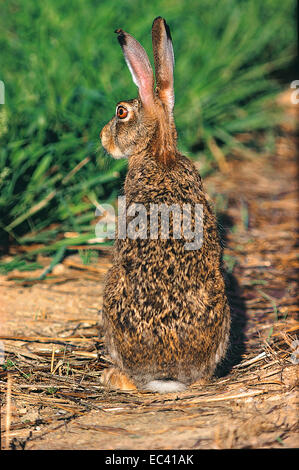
[164, 61]
[139, 66]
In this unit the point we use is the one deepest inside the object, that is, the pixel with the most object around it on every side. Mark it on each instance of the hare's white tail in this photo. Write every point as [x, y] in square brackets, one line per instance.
[165, 386]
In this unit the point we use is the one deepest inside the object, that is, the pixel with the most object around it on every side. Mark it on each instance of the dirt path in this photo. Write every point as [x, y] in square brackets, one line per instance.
[54, 358]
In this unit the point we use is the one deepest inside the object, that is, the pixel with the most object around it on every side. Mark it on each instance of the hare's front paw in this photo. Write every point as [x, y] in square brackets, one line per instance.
[115, 378]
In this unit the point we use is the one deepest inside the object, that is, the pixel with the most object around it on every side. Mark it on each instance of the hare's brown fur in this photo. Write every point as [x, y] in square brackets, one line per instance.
[166, 314]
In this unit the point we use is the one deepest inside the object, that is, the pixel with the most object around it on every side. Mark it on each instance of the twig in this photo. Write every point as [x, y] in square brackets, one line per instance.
[87, 267]
[75, 170]
[227, 397]
[17, 351]
[8, 411]
[251, 361]
[52, 360]
[294, 328]
[219, 155]
[43, 339]
[105, 429]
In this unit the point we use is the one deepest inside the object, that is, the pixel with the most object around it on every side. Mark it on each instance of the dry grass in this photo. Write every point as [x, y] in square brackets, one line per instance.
[53, 399]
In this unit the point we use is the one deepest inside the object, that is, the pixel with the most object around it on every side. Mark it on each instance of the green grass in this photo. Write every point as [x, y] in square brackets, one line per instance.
[63, 72]
[88, 256]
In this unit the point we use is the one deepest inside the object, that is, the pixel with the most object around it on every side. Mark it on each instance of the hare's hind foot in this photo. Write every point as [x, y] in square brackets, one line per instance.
[116, 379]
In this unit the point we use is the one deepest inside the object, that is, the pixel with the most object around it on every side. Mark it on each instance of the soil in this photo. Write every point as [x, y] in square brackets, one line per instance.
[51, 333]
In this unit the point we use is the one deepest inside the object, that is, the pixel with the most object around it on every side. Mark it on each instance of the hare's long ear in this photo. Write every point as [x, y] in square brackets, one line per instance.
[139, 66]
[164, 61]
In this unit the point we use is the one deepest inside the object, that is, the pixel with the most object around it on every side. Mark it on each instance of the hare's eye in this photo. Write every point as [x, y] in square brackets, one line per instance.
[121, 112]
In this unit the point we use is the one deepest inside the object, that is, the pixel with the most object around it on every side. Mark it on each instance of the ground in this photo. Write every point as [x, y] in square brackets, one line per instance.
[51, 396]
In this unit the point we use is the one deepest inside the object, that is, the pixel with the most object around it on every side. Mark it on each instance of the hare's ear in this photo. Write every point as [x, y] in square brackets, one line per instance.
[164, 61]
[139, 66]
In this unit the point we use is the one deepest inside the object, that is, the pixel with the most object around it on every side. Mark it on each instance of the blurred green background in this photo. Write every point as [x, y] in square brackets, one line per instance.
[64, 71]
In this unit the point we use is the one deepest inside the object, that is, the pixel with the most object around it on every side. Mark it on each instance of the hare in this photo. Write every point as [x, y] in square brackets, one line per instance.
[165, 311]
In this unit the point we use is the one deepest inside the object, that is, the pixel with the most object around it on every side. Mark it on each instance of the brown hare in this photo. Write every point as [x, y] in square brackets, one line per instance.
[165, 312]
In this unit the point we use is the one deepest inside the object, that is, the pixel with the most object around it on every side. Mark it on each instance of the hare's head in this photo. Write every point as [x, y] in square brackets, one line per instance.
[145, 125]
